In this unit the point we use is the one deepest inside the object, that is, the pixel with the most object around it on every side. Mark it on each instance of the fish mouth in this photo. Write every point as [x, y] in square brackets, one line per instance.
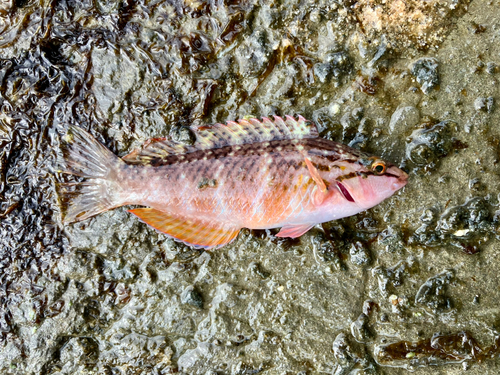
[345, 193]
[401, 178]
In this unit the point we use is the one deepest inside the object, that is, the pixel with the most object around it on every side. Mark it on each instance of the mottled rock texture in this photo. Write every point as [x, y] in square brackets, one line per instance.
[409, 285]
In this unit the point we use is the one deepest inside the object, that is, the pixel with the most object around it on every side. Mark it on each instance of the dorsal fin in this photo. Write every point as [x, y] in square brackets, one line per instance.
[243, 131]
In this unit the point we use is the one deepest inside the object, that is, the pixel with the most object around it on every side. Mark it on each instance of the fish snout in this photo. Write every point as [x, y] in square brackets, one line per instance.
[401, 177]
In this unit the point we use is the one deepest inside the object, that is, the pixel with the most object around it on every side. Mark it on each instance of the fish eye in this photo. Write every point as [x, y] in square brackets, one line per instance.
[379, 167]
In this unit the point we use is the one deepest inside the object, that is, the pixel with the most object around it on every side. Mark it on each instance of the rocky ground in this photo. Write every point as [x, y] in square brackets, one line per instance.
[411, 285]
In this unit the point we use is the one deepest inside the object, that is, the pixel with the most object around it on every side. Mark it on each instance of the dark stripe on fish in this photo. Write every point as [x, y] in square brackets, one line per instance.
[329, 150]
[363, 175]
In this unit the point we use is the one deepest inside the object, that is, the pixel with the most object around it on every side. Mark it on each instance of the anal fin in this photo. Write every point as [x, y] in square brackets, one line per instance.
[294, 231]
[198, 233]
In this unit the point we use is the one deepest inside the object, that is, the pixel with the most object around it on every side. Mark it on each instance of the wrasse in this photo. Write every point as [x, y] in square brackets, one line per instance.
[245, 174]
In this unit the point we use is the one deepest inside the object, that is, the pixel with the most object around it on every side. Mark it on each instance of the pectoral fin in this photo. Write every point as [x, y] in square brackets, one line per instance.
[294, 231]
[320, 191]
[195, 232]
[315, 176]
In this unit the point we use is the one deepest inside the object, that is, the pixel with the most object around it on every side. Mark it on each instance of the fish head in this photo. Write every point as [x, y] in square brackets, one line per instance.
[368, 181]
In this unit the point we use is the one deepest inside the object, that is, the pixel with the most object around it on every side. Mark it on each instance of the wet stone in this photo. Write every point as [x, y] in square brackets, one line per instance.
[477, 299]
[343, 354]
[358, 113]
[348, 121]
[475, 184]
[404, 118]
[425, 71]
[258, 270]
[466, 226]
[340, 62]
[192, 297]
[254, 54]
[360, 330]
[334, 67]
[369, 307]
[481, 104]
[79, 353]
[485, 104]
[428, 216]
[322, 71]
[433, 293]
[351, 359]
[360, 254]
[389, 278]
[392, 239]
[426, 146]
[327, 250]
[492, 68]
[182, 134]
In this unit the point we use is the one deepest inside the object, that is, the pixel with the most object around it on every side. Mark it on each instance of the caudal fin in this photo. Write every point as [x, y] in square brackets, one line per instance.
[85, 157]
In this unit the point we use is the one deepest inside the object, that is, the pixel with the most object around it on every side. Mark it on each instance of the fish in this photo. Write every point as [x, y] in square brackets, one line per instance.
[249, 173]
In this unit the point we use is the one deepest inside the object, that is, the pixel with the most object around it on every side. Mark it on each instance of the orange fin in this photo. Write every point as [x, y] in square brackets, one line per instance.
[294, 231]
[315, 175]
[193, 232]
[320, 191]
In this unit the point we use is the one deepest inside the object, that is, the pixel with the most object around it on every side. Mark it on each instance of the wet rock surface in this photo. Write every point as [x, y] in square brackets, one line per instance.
[410, 285]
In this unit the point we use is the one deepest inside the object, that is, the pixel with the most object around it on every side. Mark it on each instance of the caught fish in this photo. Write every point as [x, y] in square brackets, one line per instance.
[245, 174]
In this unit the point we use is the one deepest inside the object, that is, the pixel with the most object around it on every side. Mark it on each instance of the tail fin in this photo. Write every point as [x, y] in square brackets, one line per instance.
[86, 157]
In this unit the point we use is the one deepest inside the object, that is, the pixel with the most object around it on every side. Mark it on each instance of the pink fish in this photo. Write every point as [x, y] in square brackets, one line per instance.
[245, 174]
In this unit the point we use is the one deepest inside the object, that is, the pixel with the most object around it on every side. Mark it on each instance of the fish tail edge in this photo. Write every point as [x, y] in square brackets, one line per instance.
[85, 157]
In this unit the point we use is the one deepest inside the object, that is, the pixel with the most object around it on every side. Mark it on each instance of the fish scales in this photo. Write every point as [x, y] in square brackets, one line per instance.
[246, 174]
[230, 182]
[315, 146]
